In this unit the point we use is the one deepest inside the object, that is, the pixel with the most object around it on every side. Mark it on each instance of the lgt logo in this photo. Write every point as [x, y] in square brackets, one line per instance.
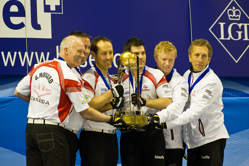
[28, 18]
[231, 30]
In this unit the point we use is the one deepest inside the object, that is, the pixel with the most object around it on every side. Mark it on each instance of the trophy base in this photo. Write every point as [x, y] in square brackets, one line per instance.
[135, 119]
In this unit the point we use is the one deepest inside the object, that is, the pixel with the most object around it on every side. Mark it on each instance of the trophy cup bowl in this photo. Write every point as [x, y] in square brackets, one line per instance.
[131, 117]
[127, 59]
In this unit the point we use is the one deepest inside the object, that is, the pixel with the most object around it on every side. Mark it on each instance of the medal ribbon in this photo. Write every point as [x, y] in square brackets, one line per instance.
[103, 78]
[169, 75]
[63, 60]
[198, 80]
[141, 80]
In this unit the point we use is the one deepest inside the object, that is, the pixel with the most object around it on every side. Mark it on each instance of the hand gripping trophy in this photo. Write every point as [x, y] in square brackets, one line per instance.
[131, 115]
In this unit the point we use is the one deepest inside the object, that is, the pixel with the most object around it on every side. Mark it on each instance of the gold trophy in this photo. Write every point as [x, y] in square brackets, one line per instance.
[127, 62]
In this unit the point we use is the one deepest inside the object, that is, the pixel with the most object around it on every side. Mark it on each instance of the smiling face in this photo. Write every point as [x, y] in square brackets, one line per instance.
[76, 52]
[199, 58]
[72, 51]
[104, 57]
[140, 52]
[165, 61]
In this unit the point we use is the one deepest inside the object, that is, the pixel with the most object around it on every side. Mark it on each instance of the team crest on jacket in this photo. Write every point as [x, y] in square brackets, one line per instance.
[40, 90]
[145, 88]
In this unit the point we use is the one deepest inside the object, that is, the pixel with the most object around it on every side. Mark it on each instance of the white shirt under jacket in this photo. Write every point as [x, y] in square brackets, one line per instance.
[203, 118]
[179, 87]
[95, 86]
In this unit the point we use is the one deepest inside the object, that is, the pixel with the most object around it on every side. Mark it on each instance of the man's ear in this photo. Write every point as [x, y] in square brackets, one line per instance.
[66, 51]
[189, 58]
[156, 58]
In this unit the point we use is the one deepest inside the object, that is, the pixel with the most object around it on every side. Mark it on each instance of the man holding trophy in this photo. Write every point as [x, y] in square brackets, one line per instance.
[143, 145]
[98, 141]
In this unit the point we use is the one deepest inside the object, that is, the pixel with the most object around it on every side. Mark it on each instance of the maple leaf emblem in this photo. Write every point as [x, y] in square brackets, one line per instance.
[41, 90]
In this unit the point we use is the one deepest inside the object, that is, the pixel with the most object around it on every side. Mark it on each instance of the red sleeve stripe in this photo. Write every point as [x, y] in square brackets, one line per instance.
[151, 77]
[64, 106]
[64, 103]
[31, 75]
[96, 79]
[162, 81]
[88, 86]
[72, 86]
[112, 79]
[33, 70]
[61, 76]
[125, 77]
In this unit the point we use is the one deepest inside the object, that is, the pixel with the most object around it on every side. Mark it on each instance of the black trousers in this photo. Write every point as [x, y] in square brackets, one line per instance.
[211, 154]
[142, 148]
[73, 143]
[46, 145]
[98, 149]
[173, 157]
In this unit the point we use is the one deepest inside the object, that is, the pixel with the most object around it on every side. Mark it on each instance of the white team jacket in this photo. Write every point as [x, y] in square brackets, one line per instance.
[204, 118]
[95, 86]
[179, 87]
[54, 91]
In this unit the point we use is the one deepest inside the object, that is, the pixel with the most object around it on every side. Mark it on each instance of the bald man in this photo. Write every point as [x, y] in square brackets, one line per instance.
[52, 90]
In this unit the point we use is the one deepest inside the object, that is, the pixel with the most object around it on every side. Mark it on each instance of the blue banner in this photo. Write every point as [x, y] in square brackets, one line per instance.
[35, 37]
[31, 30]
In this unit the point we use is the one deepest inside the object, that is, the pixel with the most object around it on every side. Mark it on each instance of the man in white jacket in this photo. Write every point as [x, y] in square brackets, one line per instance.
[204, 131]
[144, 146]
[98, 141]
[52, 91]
[165, 54]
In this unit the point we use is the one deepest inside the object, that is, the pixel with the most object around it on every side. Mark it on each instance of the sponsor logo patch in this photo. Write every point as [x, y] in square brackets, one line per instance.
[159, 157]
[145, 88]
[205, 157]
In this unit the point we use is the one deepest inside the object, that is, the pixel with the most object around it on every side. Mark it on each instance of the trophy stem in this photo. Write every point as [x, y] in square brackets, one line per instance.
[138, 86]
[119, 73]
[132, 114]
